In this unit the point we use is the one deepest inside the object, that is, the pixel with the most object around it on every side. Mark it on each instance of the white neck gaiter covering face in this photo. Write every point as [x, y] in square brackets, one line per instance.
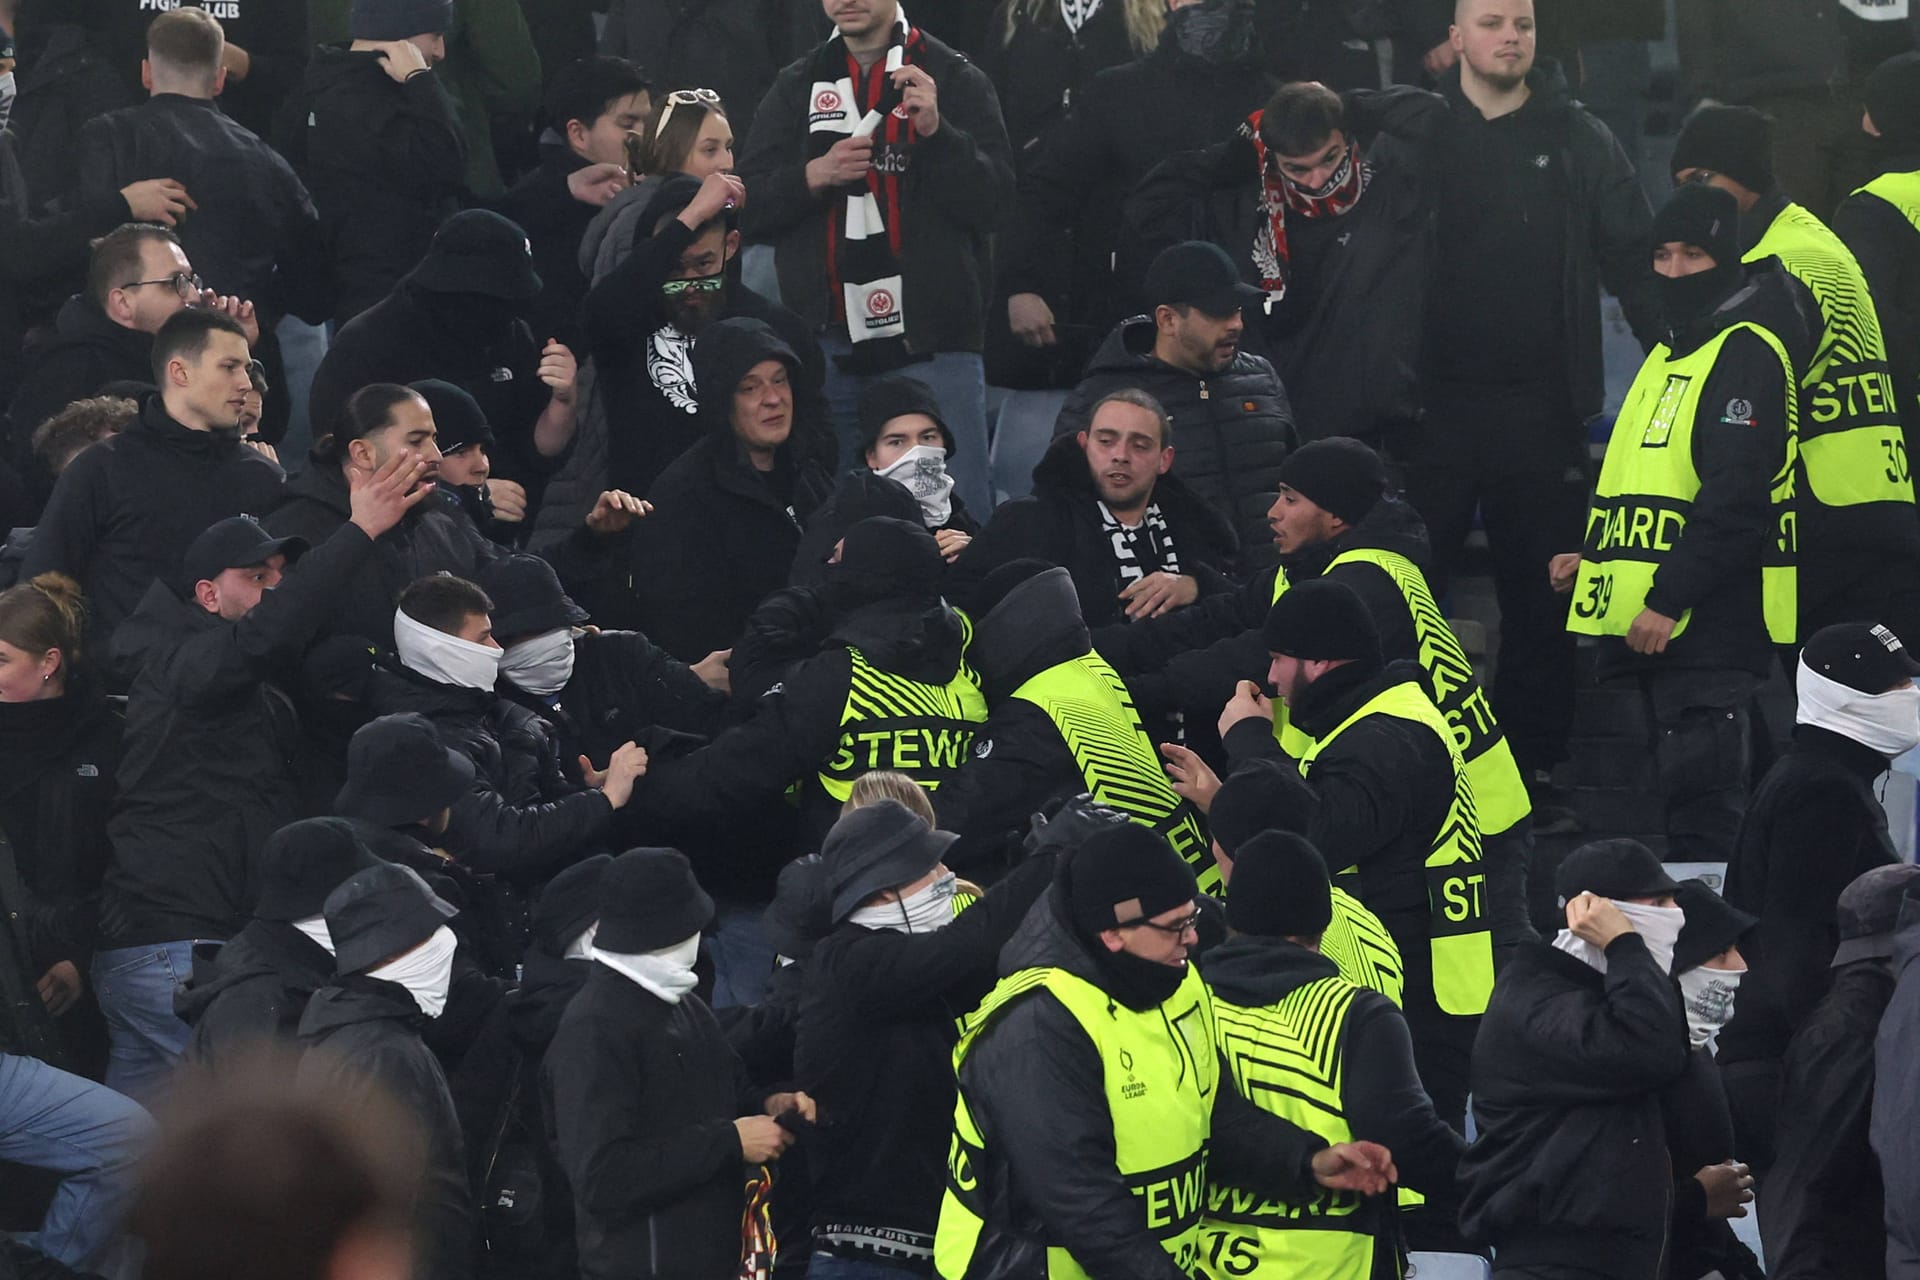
[923, 912]
[315, 927]
[923, 470]
[439, 656]
[1658, 927]
[540, 664]
[667, 973]
[426, 971]
[1709, 997]
[1885, 722]
[581, 948]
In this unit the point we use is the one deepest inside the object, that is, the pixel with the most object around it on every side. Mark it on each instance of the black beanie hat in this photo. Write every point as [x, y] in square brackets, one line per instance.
[1280, 888]
[458, 419]
[1712, 925]
[1000, 583]
[1125, 874]
[398, 19]
[303, 862]
[895, 396]
[1252, 799]
[649, 899]
[1320, 621]
[1736, 141]
[1893, 97]
[569, 903]
[1341, 475]
[1701, 215]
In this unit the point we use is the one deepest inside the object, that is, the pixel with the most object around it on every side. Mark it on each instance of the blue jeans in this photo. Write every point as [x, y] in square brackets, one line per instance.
[831, 1266]
[958, 381]
[135, 986]
[52, 1120]
[742, 956]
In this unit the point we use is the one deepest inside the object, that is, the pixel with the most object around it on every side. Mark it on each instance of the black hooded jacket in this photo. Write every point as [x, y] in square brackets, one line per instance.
[207, 770]
[1350, 364]
[722, 534]
[644, 365]
[1231, 430]
[1570, 1173]
[126, 509]
[361, 1036]
[253, 989]
[1033, 1082]
[85, 352]
[385, 163]
[1060, 522]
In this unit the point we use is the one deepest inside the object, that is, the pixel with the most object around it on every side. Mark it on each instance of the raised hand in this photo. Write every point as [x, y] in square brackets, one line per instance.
[160, 200]
[380, 499]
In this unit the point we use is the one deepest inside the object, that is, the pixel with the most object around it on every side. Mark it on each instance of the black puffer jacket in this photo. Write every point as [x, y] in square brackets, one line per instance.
[59, 762]
[362, 1035]
[875, 1051]
[1231, 431]
[125, 511]
[1033, 1082]
[953, 198]
[722, 534]
[641, 1096]
[385, 163]
[1060, 523]
[522, 820]
[1570, 1172]
[207, 771]
[1351, 365]
[251, 990]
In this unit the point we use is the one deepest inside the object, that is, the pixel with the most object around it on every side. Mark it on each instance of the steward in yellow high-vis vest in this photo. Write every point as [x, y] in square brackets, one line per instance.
[1688, 569]
[1092, 1108]
[1302, 1042]
[1858, 530]
[890, 688]
[1061, 724]
[1334, 518]
[1385, 786]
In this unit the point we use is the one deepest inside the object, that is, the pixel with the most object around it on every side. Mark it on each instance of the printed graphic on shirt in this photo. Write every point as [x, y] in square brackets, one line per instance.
[670, 366]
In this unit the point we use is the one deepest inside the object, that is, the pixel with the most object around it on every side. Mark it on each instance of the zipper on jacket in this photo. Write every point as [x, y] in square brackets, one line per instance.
[1204, 394]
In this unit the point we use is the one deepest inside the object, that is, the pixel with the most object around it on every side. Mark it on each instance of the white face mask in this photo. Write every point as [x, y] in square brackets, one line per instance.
[927, 910]
[6, 98]
[1888, 723]
[923, 470]
[315, 927]
[439, 656]
[540, 664]
[1658, 927]
[1709, 996]
[667, 973]
[581, 948]
[426, 971]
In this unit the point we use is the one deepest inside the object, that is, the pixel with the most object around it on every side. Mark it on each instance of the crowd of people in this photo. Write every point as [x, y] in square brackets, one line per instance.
[535, 740]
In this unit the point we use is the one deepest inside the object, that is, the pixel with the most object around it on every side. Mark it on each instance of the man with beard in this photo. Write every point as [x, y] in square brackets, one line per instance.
[1230, 414]
[643, 317]
[1107, 507]
[462, 315]
[1537, 206]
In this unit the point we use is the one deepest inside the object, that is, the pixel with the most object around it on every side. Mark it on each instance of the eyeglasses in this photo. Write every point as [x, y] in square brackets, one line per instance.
[1178, 928]
[684, 98]
[184, 283]
[697, 284]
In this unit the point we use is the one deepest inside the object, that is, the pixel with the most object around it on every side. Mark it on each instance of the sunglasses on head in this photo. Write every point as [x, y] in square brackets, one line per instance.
[685, 98]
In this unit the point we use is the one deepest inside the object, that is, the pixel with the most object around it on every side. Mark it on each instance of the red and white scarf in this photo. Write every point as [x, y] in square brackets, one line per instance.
[1279, 197]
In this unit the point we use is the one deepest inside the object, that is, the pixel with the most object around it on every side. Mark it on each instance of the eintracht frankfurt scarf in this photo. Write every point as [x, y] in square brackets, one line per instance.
[864, 237]
[1278, 197]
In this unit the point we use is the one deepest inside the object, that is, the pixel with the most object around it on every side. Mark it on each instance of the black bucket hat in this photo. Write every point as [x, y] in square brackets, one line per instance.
[400, 772]
[380, 913]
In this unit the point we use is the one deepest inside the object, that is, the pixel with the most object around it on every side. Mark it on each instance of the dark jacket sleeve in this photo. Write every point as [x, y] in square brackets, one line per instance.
[1621, 220]
[1814, 848]
[1072, 158]
[774, 163]
[1033, 1082]
[45, 248]
[525, 842]
[1386, 1102]
[599, 1112]
[1258, 1150]
[1417, 115]
[966, 168]
[76, 514]
[662, 689]
[424, 136]
[1151, 644]
[991, 800]
[1029, 527]
[1632, 1042]
[1732, 514]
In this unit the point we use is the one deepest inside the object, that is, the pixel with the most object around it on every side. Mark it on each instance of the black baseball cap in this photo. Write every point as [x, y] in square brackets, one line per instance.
[1616, 869]
[1861, 655]
[1197, 274]
[1869, 909]
[237, 542]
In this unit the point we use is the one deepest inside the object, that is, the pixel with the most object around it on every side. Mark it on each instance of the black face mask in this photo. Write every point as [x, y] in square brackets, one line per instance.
[1136, 982]
[1686, 300]
[1217, 31]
